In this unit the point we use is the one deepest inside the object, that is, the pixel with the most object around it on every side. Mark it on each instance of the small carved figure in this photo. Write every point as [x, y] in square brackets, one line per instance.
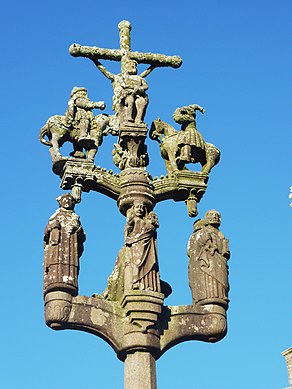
[130, 99]
[185, 146]
[78, 126]
[123, 158]
[64, 238]
[208, 270]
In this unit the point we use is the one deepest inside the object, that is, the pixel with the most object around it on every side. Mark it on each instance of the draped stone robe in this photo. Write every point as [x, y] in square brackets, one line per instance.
[64, 238]
[208, 270]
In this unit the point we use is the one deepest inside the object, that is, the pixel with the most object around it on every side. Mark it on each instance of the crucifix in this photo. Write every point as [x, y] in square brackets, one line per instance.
[130, 99]
[131, 314]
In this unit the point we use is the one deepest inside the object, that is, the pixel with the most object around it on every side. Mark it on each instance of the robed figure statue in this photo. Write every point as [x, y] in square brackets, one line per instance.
[136, 267]
[63, 239]
[208, 270]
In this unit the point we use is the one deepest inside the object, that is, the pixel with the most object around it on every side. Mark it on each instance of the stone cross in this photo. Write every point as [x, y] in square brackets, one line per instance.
[120, 55]
[131, 314]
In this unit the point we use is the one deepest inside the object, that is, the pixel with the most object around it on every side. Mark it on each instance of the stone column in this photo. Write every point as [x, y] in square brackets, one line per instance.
[288, 356]
[140, 371]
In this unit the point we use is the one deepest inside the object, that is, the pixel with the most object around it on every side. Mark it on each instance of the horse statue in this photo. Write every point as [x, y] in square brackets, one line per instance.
[58, 130]
[179, 148]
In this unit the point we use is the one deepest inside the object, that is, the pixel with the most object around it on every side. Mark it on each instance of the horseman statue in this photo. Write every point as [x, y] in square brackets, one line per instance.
[179, 148]
[78, 126]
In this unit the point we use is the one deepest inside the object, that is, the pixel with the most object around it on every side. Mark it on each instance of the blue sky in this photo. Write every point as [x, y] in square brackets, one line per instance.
[237, 64]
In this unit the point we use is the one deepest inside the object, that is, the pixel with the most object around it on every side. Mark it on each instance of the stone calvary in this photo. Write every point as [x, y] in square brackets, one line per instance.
[130, 314]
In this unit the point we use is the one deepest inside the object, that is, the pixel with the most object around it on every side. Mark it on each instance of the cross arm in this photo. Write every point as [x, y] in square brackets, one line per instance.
[157, 60]
[95, 53]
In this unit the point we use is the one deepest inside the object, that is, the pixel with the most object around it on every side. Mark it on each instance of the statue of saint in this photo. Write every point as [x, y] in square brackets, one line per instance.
[141, 249]
[136, 266]
[208, 270]
[64, 238]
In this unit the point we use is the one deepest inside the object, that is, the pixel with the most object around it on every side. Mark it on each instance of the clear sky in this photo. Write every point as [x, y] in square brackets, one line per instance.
[237, 64]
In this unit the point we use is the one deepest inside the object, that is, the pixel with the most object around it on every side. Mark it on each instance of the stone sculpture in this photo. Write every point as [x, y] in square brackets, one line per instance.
[179, 148]
[140, 245]
[130, 99]
[131, 314]
[208, 270]
[137, 263]
[64, 238]
[78, 126]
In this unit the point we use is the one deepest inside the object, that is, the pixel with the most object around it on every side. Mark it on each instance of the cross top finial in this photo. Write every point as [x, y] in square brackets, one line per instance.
[125, 38]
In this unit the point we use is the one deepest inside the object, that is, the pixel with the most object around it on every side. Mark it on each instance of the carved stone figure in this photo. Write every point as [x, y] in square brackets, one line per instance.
[78, 126]
[140, 243]
[79, 113]
[64, 238]
[208, 270]
[179, 148]
[127, 158]
[132, 314]
[136, 267]
[130, 99]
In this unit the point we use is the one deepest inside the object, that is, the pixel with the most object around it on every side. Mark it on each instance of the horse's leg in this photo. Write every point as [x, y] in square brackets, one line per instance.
[55, 149]
[168, 166]
[77, 150]
[212, 155]
[91, 153]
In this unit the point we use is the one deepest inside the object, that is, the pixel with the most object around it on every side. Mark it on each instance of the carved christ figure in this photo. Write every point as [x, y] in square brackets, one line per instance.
[63, 238]
[130, 99]
[208, 270]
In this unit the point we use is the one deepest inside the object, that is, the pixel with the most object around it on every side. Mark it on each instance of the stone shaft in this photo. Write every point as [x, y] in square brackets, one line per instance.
[140, 371]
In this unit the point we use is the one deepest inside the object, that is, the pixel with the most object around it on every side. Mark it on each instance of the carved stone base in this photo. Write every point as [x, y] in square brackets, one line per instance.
[143, 308]
[133, 130]
[57, 309]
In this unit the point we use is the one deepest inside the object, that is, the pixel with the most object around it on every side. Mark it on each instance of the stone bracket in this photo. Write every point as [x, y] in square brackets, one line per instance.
[91, 177]
[192, 322]
[135, 325]
[180, 186]
[183, 185]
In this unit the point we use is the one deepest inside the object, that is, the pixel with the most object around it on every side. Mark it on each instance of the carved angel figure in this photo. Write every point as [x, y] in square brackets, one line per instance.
[64, 238]
[208, 270]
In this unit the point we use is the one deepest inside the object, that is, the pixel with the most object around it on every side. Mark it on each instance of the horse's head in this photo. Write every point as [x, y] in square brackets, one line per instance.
[156, 130]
